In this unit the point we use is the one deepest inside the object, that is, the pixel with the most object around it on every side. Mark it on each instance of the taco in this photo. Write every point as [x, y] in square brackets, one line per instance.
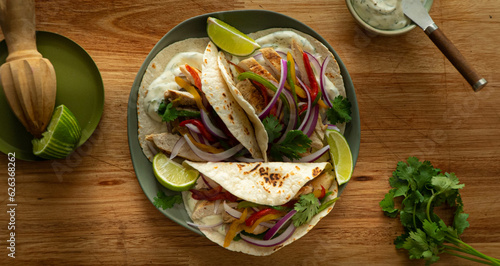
[186, 109]
[291, 90]
[258, 208]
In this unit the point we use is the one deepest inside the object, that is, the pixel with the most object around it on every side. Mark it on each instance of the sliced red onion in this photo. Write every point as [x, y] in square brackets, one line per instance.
[312, 121]
[177, 147]
[269, 234]
[279, 108]
[272, 242]
[314, 156]
[292, 121]
[258, 56]
[309, 103]
[193, 128]
[248, 160]
[205, 180]
[196, 136]
[234, 213]
[203, 225]
[152, 148]
[205, 119]
[334, 127]
[211, 157]
[281, 85]
[267, 224]
[322, 76]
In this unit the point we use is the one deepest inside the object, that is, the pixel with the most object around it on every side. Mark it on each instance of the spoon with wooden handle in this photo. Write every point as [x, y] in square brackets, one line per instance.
[28, 80]
[414, 10]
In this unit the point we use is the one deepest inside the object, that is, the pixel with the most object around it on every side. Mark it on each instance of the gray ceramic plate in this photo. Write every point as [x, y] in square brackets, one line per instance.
[246, 21]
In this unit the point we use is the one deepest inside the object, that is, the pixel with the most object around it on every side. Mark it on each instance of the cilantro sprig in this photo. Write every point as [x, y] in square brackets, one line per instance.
[426, 236]
[295, 143]
[166, 202]
[169, 113]
[307, 206]
[340, 111]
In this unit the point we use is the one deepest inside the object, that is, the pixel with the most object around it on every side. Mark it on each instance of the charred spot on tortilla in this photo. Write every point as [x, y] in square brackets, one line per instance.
[153, 65]
[230, 117]
[298, 168]
[246, 131]
[224, 95]
[316, 172]
[253, 169]
[240, 166]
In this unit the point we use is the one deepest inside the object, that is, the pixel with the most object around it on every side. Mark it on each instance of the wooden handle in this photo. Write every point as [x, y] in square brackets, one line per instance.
[457, 59]
[17, 19]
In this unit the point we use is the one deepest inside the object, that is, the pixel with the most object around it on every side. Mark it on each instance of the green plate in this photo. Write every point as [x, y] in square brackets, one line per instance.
[79, 87]
[246, 21]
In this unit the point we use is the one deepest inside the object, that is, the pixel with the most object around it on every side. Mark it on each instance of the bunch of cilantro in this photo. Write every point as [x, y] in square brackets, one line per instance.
[422, 188]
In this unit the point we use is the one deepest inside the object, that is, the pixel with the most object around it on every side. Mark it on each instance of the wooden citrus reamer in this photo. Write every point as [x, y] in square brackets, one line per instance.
[28, 80]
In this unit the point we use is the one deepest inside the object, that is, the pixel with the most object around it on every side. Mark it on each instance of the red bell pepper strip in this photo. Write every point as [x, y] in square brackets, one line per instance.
[195, 75]
[314, 90]
[257, 215]
[200, 126]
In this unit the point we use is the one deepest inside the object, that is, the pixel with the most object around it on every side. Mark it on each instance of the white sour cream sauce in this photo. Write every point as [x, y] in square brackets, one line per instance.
[281, 41]
[156, 90]
[382, 14]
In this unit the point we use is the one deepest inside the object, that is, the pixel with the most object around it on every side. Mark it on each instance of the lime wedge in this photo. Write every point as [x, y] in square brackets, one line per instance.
[229, 39]
[173, 175]
[341, 155]
[61, 137]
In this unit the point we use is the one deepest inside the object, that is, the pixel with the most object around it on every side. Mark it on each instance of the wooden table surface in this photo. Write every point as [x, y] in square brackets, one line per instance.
[412, 102]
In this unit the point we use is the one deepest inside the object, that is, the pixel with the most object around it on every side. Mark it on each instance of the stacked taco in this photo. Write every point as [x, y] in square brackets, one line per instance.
[254, 127]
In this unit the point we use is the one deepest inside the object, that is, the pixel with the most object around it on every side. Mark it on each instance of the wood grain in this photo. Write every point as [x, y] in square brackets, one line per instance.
[90, 209]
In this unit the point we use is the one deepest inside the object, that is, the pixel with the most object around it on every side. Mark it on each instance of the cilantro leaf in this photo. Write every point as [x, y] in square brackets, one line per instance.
[169, 113]
[166, 202]
[340, 111]
[273, 127]
[307, 206]
[295, 143]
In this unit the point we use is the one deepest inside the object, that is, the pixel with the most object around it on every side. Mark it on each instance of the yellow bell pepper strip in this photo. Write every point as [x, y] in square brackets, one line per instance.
[189, 88]
[292, 78]
[320, 193]
[234, 228]
[204, 147]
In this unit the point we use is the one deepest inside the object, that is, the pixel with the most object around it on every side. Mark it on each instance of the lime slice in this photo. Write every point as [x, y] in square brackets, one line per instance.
[229, 39]
[341, 155]
[61, 137]
[173, 175]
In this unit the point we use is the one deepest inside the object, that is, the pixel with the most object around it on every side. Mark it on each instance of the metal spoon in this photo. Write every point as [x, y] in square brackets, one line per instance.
[28, 80]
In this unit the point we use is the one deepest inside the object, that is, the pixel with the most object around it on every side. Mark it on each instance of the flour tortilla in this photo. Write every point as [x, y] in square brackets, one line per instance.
[234, 177]
[317, 49]
[223, 102]
[214, 87]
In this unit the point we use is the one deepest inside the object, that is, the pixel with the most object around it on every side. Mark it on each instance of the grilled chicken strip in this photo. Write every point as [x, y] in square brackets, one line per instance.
[273, 60]
[252, 95]
[299, 60]
[180, 98]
